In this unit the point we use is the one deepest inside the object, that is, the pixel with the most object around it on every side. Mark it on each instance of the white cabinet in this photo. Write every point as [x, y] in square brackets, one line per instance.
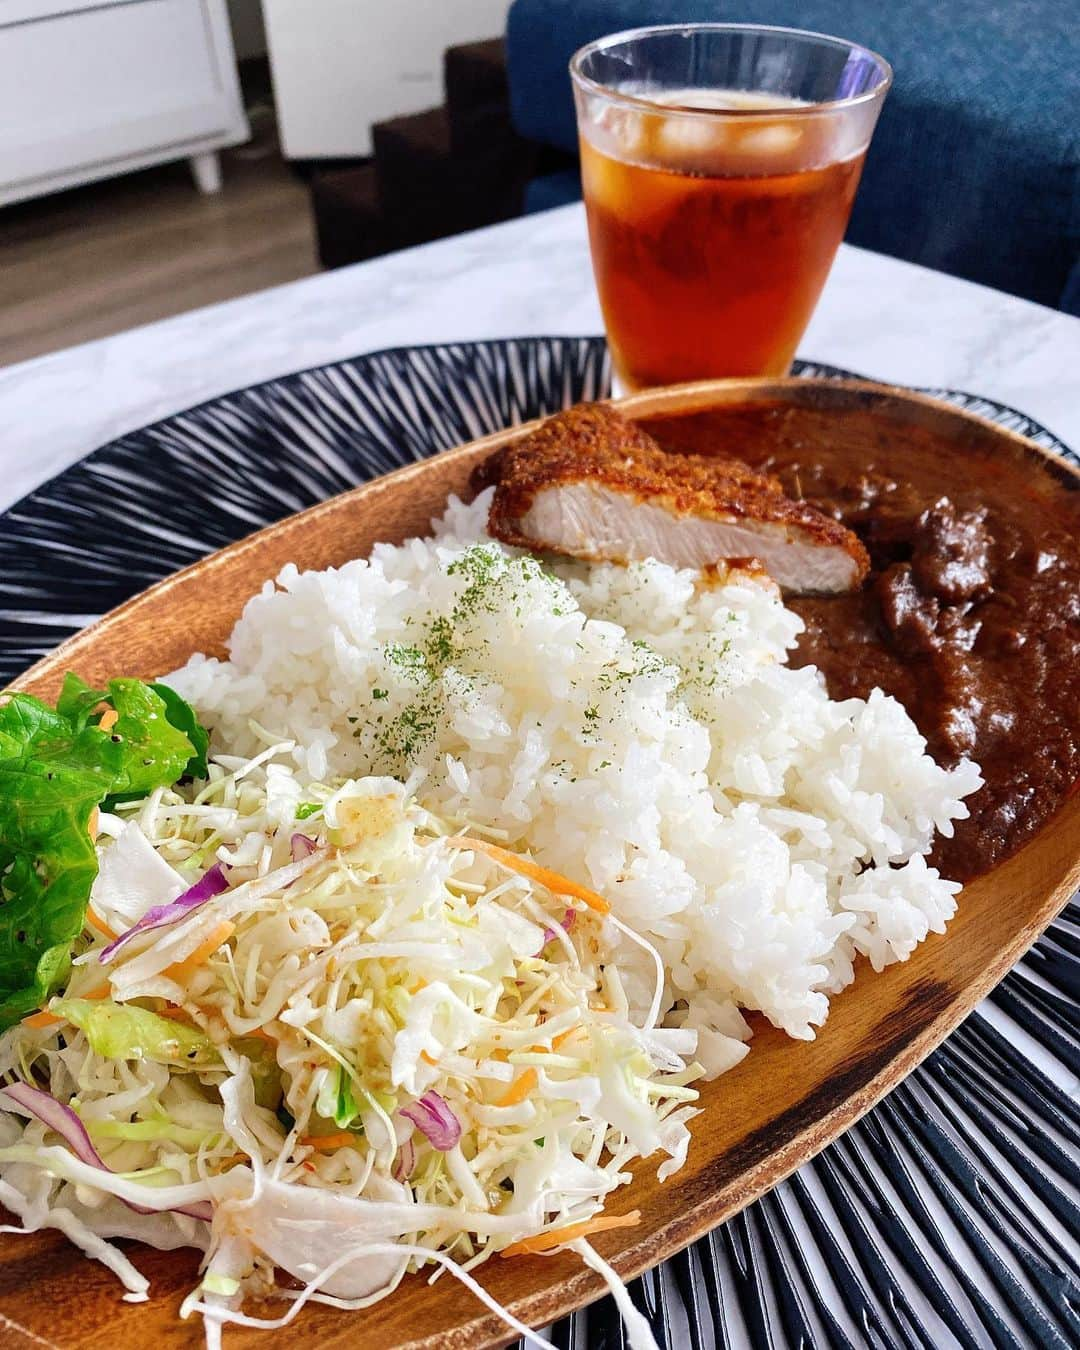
[340, 65]
[92, 88]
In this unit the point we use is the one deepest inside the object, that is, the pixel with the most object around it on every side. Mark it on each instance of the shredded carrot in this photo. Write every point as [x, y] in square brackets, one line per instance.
[519, 1089]
[183, 970]
[94, 822]
[555, 1237]
[428, 1059]
[309, 1167]
[327, 1142]
[109, 718]
[47, 1019]
[556, 1043]
[96, 921]
[499, 1055]
[554, 881]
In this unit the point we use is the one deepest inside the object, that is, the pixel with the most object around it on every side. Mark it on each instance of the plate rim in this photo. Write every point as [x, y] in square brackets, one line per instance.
[577, 1289]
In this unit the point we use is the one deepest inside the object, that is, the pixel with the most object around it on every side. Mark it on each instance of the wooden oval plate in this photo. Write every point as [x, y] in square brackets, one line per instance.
[782, 1104]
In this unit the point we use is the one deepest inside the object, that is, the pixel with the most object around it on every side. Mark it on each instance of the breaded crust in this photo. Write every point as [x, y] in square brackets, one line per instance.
[591, 442]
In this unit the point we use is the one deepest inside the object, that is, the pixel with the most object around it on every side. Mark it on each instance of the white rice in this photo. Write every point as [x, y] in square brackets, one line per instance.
[638, 730]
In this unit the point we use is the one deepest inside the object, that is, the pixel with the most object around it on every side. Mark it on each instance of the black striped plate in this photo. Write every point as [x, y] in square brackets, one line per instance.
[947, 1217]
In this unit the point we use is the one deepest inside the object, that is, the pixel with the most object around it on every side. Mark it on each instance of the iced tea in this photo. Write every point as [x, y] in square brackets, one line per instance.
[719, 165]
[711, 241]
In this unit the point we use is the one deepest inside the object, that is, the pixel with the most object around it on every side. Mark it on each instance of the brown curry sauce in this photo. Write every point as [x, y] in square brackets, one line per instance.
[971, 613]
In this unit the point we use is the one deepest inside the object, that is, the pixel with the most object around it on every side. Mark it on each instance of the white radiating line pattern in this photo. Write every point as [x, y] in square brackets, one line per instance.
[948, 1216]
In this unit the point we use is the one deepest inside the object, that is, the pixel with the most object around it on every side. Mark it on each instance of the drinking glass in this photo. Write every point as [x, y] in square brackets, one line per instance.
[719, 164]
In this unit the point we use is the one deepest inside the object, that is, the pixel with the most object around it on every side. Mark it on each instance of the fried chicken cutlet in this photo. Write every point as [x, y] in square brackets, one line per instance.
[589, 483]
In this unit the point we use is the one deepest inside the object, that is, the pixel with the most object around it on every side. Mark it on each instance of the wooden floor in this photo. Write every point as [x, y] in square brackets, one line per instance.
[95, 260]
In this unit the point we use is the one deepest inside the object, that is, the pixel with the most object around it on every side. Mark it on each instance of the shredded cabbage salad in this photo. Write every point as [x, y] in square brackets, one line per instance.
[328, 1037]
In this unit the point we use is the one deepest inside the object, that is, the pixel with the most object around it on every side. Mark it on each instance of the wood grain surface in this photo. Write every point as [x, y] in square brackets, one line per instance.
[771, 1113]
[99, 259]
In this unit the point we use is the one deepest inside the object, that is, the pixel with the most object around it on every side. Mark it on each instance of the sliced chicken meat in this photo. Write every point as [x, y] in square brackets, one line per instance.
[593, 485]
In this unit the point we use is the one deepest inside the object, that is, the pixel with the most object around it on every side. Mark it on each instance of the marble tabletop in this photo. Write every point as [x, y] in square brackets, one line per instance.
[885, 319]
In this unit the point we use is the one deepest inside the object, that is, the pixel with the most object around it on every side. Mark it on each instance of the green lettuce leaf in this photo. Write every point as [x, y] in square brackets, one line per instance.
[153, 747]
[47, 863]
[77, 701]
[56, 766]
[182, 716]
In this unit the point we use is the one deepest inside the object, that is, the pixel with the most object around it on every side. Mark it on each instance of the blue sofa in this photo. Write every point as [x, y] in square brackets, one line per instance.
[975, 165]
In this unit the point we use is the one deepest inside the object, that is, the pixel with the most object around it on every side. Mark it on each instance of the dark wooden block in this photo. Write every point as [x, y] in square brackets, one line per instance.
[349, 222]
[419, 175]
[434, 173]
[477, 94]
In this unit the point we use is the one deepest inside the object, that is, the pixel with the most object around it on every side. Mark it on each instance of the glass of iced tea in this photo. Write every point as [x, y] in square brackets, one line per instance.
[719, 165]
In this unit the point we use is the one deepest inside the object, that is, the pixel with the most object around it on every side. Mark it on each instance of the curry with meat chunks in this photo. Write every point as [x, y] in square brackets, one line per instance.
[971, 613]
